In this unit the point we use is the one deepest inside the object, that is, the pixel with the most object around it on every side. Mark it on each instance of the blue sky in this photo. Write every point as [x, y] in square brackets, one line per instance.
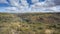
[6, 5]
[22, 6]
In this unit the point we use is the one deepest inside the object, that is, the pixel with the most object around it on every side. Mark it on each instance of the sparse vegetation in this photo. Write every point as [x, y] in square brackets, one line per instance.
[32, 23]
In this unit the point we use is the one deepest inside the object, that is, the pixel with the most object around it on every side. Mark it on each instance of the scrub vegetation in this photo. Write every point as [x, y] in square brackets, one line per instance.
[30, 23]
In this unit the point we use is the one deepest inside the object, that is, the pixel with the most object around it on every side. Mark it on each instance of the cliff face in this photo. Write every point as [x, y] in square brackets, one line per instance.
[33, 23]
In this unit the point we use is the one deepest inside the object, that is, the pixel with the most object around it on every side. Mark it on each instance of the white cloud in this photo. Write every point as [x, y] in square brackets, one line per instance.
[14, 2]
[3, 1]
[35, 1]
[46, 6]
[57, 2]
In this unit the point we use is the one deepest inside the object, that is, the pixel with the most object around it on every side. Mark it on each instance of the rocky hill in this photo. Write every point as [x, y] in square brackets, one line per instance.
[30, 23]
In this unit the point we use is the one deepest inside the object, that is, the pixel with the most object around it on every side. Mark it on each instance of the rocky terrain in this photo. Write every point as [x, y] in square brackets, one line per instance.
[30, 23]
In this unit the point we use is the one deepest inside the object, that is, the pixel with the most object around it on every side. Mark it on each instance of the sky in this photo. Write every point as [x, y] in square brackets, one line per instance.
[24, 6]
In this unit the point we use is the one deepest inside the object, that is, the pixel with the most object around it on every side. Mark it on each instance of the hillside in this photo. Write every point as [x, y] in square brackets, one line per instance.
[41, 17]
[30, 23]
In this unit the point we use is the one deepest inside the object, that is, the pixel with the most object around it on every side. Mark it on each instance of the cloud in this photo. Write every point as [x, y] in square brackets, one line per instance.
[23, 6]
[35, 1]
[14, 2]
[57, 2]
[3, 1]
